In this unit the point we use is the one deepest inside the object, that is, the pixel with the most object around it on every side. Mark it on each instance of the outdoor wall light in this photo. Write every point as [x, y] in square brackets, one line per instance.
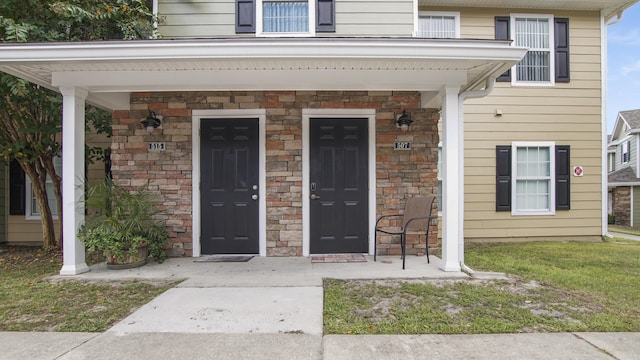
[151, 122]
[403, 121]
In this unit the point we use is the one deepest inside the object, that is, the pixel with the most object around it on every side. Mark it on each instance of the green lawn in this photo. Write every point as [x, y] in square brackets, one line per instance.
[575, 286]
[30, 302]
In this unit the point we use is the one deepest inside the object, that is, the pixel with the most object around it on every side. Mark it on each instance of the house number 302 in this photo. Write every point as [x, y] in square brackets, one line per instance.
[157, 146]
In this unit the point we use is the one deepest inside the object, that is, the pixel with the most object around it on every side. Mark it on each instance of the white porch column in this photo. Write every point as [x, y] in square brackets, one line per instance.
[452, 178]
[72, 179]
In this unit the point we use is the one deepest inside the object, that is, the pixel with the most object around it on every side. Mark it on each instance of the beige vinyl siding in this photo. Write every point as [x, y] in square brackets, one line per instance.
[4, 199]
[195, 19]
[23, 231]
[216, 18]
[566, 113]
[374, 18]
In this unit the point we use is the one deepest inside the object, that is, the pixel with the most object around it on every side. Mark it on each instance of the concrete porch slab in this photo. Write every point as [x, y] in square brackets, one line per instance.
[270, 271]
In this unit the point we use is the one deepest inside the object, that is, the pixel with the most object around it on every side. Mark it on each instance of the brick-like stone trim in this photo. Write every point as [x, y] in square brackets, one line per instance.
[399, 174]
[622, 205]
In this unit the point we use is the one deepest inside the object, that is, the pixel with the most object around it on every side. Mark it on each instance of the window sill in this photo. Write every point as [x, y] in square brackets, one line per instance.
[292, 34]
[37, 217]
[532, 213]
[533, 84]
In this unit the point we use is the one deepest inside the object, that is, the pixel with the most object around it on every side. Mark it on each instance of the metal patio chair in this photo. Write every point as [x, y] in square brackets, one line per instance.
[416, 219]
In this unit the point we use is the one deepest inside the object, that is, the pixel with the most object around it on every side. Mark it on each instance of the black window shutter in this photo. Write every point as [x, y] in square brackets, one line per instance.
[245, 16]
[503, 178]
[503, 32]
[325, 16]
[17, 194]
[562, 49]
[563, 177]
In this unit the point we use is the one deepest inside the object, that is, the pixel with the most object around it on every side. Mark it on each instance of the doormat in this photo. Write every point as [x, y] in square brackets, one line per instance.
[338, 258]
[225, 258]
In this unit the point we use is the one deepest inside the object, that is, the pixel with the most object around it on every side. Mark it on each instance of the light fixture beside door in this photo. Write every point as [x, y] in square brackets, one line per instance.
[403, 120]
[151, 122]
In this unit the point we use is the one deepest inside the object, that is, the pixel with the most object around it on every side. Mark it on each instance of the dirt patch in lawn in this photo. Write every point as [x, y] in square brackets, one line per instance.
[453, 306]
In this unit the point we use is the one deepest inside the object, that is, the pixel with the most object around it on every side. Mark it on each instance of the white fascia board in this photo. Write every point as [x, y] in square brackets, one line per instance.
[120, 100]
[24, 54]
[209, 80]
[612, 185]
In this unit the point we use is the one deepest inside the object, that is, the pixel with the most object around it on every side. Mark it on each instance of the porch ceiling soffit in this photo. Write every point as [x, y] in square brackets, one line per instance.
[111, 70]
[610, 8]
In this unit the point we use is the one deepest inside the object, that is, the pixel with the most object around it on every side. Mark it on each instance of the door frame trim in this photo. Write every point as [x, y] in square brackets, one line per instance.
[196, 117]
[307, 115]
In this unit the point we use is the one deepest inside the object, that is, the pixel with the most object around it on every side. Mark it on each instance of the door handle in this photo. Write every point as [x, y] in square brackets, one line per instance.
[254, 197]
[314, 197]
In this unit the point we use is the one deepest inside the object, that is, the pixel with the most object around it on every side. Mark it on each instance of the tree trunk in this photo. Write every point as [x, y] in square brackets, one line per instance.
[57, 189]
[38, 178]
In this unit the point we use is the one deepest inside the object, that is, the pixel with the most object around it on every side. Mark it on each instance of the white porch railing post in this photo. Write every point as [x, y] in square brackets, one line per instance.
[72, 179]
[452, 178]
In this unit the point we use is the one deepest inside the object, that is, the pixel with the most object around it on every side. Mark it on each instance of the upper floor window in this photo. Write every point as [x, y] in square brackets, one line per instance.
[436, 24]
[547, 38]
[626, 152]
[285, 17]
[536, 34]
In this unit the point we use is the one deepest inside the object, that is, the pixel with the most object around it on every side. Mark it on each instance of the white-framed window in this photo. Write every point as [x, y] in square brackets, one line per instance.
[533, 185]
[32, 210]
[438, 25]
[536, 33]
[611, 161]
[285, 17]
[626, 152]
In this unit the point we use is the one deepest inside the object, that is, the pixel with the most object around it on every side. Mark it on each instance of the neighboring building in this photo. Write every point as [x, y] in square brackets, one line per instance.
[623, 164]
[20, 222]
[278, 131]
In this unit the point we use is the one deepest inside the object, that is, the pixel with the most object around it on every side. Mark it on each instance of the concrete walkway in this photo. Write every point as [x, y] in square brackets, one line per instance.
[271, 308]
[624, 236]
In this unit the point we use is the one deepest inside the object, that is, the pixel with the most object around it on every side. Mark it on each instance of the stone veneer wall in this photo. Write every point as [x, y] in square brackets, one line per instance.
[622, 205]
[400, 174]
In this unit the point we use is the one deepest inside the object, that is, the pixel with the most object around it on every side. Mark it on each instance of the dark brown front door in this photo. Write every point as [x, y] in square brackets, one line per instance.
[339, 186]
[229, 186]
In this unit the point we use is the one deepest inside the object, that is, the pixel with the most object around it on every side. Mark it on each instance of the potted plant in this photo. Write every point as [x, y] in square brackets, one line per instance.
[121, 226]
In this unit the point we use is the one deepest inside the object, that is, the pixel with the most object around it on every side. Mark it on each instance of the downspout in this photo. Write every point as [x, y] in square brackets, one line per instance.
[154, 11]
[469, 94]
[603, 70]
